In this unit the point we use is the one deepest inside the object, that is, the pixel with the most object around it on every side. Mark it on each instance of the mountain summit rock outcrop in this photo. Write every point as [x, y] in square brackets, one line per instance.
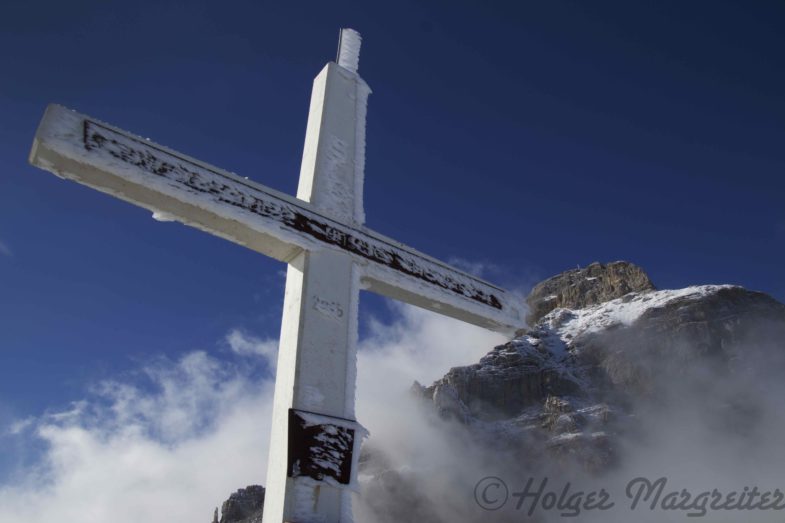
[582, 287]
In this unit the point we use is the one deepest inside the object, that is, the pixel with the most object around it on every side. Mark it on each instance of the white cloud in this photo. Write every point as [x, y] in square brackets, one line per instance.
[5, 250]
[246, 344]
[170, 448]
[421, 345]
[173, 441]
[19, 426]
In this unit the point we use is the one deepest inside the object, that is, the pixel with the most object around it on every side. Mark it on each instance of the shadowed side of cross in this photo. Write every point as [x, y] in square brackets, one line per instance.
[331, 256]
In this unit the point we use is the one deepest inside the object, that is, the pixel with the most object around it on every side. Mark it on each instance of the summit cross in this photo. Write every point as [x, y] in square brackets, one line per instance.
[331, 256]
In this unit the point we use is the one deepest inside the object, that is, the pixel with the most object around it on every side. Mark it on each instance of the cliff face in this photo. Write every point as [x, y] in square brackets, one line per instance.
[618, 346]
[244, 506]
[581, 288]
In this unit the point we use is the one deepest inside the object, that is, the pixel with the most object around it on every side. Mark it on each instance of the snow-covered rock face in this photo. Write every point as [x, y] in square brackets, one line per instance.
[572, 377]
[570, 324]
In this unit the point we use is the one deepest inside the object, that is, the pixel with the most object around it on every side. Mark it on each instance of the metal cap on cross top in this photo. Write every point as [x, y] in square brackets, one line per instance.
[331, 256]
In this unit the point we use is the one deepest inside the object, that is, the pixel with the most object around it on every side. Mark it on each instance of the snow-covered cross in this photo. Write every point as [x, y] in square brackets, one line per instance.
[331, 256]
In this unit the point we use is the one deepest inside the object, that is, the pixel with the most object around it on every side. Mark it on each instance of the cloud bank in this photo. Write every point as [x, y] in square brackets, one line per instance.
[172, 441]
[156, 448]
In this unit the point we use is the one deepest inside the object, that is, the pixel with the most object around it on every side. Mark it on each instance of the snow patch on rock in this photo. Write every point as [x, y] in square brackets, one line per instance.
[568, 324]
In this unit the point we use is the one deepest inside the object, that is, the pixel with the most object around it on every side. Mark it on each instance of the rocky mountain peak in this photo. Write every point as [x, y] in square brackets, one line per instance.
[569, 379]
[244, 506]
[582, 287]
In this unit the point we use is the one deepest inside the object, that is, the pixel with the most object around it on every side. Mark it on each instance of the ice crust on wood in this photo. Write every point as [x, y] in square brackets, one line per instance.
[349, 50]
[288, 223]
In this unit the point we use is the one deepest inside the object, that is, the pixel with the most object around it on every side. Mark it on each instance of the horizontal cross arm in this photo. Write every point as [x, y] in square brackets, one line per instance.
[77, 147]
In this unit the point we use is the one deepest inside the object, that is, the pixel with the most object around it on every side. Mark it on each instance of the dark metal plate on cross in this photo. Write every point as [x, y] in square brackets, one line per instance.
[321, 447]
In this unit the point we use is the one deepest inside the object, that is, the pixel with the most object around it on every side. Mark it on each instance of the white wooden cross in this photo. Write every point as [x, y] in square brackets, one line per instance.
[331, 256]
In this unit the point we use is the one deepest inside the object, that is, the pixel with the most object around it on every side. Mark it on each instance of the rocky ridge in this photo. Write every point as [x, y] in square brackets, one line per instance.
[244, 506]
[569, 380]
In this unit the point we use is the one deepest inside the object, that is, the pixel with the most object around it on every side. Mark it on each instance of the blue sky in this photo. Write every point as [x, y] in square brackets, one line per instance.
[529, 137]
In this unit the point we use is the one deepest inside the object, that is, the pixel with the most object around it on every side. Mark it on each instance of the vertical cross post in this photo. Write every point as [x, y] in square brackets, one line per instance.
[317, 351]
